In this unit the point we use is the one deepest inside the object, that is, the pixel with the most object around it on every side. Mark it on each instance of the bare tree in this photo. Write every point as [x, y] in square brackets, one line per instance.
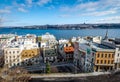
[14, 75]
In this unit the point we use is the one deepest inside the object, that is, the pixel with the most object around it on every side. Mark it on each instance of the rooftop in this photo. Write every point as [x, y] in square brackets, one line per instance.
[6, 36]
[27, 36]
[24, 45]
[100, 47]
[69, 49]
[48, 36]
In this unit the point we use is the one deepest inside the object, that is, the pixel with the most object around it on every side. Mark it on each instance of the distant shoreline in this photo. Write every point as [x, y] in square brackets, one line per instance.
[69, 26]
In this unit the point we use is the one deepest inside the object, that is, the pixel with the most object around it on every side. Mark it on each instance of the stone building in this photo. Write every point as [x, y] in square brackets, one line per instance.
[104, 58]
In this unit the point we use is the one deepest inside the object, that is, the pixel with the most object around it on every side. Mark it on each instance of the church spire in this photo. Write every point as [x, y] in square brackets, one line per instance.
[106, 35]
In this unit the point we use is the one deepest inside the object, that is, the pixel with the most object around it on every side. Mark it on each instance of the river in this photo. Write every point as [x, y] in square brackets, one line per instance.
[112, 33]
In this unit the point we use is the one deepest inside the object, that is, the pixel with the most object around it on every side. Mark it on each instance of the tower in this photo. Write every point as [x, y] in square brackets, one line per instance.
[106, 35]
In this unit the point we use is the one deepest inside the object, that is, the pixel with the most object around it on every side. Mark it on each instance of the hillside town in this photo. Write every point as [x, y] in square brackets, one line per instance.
[76, 55]
[72, 26]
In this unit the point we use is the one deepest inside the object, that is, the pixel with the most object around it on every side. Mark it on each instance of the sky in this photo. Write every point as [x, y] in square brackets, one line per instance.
[42, 12]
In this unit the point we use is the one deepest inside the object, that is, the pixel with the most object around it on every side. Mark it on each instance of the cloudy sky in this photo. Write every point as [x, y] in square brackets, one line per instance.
[41, 12]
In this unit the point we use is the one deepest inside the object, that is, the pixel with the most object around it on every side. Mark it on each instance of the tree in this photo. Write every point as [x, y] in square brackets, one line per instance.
[17, 74]
[48, 68]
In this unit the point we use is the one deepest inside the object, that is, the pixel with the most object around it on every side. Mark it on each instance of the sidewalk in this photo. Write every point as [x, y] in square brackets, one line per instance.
[55, 75]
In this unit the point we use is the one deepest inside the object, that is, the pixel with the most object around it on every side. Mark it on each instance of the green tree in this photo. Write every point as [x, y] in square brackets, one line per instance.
[48, 67]
[39, 38]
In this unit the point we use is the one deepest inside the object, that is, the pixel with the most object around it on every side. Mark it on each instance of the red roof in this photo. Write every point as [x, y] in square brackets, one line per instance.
[69, 49]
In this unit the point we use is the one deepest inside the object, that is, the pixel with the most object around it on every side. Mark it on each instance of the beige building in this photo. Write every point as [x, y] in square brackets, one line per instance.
[12, 56]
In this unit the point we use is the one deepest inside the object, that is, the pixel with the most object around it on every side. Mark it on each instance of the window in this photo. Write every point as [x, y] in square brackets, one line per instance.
[97, 61]
[109, 55]
[112, 62]
[105, 55]
[101, 61]
[14, 64]
[32, 52]
[14, 60]
[23, 55]
[101, 55]
[98, 55]
[18, 64]
[105, 62]
[13, 52]
[10, 52]
[118, 54]
[112, 55]
[29, 54]
[92, 59]
[108, 61]
[10, 60]
[17, 51]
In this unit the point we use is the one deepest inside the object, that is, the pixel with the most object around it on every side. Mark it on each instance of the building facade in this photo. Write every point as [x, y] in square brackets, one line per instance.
[69, 53]
[86, 58]
[12, 56]
[6, 38]
[18, 53]
[117, 58]
[104, 58]
[48, 40]
[29, 37]
[30, 57]
[50, 54]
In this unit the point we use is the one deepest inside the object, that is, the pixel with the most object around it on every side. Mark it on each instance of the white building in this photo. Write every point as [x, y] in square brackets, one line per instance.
[6, 39]
[28, 37]
[48, 40]
[83, 55]
[73, 39]
[12, 55]
[86, 57]
[47, 37]
[97, 39]
[117, 58]
[63, 41]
